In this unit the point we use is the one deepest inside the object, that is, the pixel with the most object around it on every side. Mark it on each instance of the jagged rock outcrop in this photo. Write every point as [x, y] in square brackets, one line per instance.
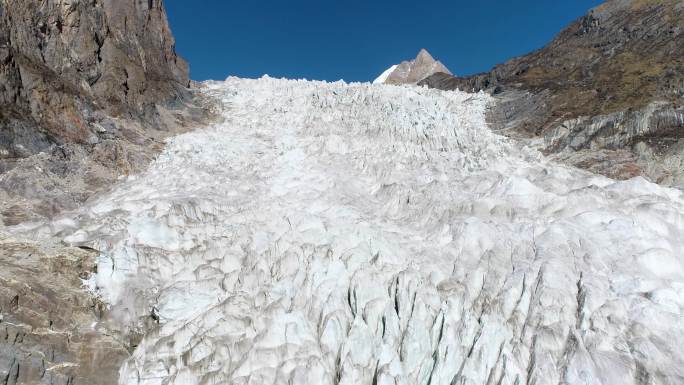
[87, 91]
[647, 141]
[411, 72]
[607, 92]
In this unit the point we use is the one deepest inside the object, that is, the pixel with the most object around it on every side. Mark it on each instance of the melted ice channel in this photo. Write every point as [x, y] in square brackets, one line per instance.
[372, 234]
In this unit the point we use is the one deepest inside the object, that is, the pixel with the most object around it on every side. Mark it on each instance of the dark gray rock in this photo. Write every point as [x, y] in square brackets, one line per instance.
[625, 144]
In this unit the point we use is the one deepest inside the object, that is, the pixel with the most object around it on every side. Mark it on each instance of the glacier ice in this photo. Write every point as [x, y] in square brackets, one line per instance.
[372, 234]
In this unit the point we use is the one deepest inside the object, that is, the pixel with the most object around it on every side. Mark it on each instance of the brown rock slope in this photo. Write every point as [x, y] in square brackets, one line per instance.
[606, 94]
[51, 330]
[87, 89]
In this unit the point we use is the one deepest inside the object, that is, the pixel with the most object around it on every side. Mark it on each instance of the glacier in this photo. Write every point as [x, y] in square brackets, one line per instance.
[333, 233]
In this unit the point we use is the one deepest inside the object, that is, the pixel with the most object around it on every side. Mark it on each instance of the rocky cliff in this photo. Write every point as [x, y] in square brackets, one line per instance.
[86, 90]
[64, 61]
[51, 330]
[606, 94]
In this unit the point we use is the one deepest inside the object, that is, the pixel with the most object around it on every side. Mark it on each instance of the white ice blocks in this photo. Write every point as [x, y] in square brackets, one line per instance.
[371, 234]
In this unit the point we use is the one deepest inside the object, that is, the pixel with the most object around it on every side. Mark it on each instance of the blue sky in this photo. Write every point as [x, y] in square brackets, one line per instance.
[356, 40]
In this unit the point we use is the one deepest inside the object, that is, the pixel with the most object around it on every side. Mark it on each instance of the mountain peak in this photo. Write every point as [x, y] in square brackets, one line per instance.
[424, 56]
[411, 72]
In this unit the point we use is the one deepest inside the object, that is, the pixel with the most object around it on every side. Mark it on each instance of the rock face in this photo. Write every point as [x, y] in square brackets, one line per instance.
[606, 94]
[411, 72]
[50, 328]
[63, 61]
[87, 90]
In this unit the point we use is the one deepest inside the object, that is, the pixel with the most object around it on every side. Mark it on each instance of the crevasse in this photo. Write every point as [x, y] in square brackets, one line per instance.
[371, 234]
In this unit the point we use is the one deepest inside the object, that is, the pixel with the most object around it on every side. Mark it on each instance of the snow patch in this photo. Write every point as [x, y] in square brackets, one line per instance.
[383, 77]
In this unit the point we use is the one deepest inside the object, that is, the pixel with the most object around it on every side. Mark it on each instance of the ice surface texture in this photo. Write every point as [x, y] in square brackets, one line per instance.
[373, 234]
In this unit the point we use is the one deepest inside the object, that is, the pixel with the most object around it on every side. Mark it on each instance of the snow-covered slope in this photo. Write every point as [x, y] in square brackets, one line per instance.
[373, 234]
[383, 76]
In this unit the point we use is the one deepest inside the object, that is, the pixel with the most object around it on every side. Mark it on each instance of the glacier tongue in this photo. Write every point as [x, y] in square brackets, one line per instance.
[371, 234]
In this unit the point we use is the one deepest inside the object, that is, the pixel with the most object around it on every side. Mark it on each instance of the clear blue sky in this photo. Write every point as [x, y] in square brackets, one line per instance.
[356, 40]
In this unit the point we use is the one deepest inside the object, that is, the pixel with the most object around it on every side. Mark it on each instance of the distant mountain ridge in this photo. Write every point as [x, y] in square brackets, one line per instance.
[607, 94]
[411, 72]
